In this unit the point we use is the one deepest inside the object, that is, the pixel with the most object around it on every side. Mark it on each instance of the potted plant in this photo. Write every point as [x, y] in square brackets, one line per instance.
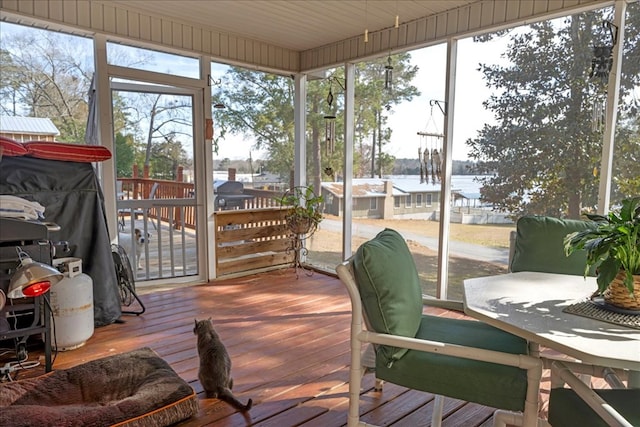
[304, 209]
[613, 246]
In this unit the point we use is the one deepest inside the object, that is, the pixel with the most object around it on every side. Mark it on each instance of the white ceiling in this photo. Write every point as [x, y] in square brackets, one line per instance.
[298, 25]
[286, 36]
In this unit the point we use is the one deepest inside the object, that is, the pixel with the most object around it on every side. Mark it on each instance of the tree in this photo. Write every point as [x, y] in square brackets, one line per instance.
[9, 84]
[542, 153]
[261, 106]
[46, 74]
[374, 103]
[627, 177]
[125, 155]
[167, 156]
[157, 121]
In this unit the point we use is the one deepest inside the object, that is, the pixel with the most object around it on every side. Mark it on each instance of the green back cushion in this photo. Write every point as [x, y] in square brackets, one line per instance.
[540, 245]
[389, 288]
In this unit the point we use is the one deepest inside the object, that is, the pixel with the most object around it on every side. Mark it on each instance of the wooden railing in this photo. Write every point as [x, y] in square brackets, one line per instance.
[251, 239]
[248, 239]
[263, 199]
[141, 189]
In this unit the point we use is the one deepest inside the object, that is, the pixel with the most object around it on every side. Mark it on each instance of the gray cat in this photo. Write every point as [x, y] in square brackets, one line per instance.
[215, 365]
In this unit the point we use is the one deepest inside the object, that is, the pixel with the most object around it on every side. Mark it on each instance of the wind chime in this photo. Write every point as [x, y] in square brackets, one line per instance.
[330, 125]
[388, 75]
[430, 153]
[601, 64]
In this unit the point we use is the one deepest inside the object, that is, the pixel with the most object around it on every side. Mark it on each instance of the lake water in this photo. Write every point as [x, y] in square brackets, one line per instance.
[462, 183]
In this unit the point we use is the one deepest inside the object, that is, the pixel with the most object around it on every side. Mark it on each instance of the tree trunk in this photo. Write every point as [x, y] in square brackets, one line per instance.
[152, 116]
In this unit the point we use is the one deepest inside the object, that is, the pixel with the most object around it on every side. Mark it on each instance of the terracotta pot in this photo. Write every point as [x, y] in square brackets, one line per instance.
[618, 295]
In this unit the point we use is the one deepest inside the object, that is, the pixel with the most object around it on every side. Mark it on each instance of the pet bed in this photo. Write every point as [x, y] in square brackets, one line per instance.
[137, 388]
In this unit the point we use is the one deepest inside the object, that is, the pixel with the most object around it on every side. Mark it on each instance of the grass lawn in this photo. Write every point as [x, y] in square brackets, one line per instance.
[325, 249]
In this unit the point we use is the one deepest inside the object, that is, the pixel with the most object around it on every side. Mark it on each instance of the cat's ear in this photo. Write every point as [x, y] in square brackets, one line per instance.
[195, 322]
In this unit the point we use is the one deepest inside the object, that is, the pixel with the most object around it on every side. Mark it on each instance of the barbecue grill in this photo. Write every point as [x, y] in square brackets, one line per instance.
[229, 195]
[29, 316]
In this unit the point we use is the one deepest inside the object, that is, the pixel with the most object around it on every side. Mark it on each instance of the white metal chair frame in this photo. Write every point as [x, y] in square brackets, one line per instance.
[360, 335]
[561, 374]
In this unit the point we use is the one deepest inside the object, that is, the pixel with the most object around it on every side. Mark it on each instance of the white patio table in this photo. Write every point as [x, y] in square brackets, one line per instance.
[530, 304]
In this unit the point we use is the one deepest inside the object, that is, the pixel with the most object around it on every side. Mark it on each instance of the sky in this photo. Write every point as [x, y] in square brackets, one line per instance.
[418, 115]
[411, 117]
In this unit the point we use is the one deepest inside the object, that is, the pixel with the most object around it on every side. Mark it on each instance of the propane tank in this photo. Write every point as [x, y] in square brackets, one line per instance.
[71, 306]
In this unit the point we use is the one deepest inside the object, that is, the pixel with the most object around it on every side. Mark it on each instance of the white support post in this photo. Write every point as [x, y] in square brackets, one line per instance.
[300, 122]
[613, 90]
[349, 123]
[107, 173]
[205, 177]
[445, 188]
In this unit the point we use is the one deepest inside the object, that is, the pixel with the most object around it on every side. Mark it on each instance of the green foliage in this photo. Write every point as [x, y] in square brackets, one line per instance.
[626, 161]
[542, 155]
[374, 105]
[166, 156]
[613, 245]
[260, 106]
[304, 206]
[124, 157]
[47, 74]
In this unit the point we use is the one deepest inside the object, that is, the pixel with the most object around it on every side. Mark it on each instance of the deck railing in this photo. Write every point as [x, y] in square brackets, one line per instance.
[248, 239]
[251, 239]
[141, 189]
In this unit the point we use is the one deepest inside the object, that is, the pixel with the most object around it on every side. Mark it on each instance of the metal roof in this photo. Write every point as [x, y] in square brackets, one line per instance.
[372, 187]
[28, 125]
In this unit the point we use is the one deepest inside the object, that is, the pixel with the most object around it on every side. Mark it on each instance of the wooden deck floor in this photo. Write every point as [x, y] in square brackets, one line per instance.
[289, 342]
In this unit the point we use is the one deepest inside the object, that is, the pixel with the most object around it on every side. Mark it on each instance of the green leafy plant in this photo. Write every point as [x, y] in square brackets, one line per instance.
[613, 245]
[304, 207]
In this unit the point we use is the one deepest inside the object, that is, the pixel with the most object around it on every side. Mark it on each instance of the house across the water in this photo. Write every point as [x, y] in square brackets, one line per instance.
[384, 198]
[405, 198]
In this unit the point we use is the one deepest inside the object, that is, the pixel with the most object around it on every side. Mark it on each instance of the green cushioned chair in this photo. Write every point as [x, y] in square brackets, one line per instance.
[579, 406]
[461, 359]
[539, 245]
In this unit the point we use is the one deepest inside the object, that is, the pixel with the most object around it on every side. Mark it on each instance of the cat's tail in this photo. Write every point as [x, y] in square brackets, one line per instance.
[226, 395]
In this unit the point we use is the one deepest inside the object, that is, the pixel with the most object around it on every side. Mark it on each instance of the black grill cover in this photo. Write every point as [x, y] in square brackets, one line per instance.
[72, 198]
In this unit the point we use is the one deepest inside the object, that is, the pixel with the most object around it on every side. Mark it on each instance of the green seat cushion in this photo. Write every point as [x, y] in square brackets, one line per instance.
[540, 245]
[389, 288]
[566, 408]
[490, 384]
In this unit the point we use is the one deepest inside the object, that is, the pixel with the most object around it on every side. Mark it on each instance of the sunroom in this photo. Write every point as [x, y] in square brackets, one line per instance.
[315, 48]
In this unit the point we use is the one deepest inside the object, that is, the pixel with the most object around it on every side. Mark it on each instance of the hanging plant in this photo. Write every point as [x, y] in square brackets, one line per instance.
[304, 209]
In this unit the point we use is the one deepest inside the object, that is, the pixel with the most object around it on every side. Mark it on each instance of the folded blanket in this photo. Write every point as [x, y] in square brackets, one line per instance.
[17, 207]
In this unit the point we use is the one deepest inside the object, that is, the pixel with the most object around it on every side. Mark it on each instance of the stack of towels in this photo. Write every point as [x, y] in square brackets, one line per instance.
[17, 207]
